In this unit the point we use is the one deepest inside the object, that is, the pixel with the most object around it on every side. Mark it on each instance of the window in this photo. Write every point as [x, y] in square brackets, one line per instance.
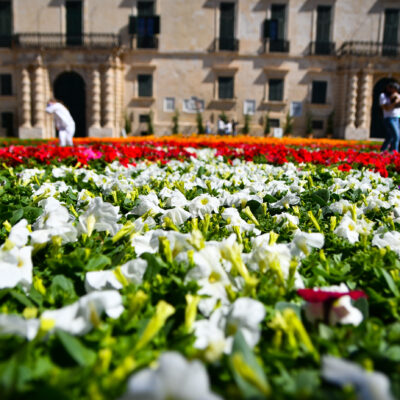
[145, 8]
[169, 104]
[225, 87]
[145, 85]
[323, 24]
[318, 94]
[274, 123]
[275, 90]
[249, 107]
[317, 125]
[391, 32]
[5, 85]
[144, 118]
[227, 26]
[146, 25]
[323, 43]
[278, 13]
[74, 22]
[7, 122]
[5, 23]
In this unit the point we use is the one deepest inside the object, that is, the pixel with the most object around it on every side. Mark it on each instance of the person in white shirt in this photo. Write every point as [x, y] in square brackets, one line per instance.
[228, 128]
[221, 126]
[64, 122]
[389, 101]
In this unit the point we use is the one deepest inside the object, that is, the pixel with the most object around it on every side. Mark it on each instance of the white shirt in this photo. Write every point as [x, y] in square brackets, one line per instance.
[383, 100]
[62, 116]
[228, 127]
[221, 124]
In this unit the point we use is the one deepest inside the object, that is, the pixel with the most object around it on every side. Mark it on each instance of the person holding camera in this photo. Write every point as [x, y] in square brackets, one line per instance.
[389, 101]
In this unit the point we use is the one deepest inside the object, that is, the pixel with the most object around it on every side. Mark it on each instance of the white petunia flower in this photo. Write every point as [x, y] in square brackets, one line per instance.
[243, 315]
[19, 233]
[232, 215]
[17, 325]
[202, 205]
[16, 267]
[175, 378]
[389, 239]
[133, 271]
[288, 218]
[100, 216]
[368, 385]
[78, 318]
[304, 242]
[290, 199]
[347, 229]
[177, 215]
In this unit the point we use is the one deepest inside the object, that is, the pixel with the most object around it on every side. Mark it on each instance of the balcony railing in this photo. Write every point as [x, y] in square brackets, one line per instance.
[6, 40]
[369, 49]
[146, 42]
[59, 40]
[276, 46]
[225, 44]
[322, 48]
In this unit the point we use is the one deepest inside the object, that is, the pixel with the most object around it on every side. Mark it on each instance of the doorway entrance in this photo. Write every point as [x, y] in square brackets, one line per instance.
[69, 87]
[377, 127]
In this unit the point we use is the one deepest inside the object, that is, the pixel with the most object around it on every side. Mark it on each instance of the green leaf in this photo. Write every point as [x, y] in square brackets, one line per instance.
[22, 298]
[393, 353]
[98, 262]
[154, 265]
[321, 197]
[17, 215]
[362, 305]
[81, 354]
[391, 283]
[253, 385]
[62, 288]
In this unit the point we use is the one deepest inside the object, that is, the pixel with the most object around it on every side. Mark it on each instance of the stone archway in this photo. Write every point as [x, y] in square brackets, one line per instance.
[377, 128]
[69, 87]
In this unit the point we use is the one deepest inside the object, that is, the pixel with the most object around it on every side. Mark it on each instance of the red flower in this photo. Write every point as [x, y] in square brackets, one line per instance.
[321, 296]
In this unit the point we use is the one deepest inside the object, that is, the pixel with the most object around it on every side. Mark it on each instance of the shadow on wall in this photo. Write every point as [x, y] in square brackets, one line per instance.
[56, 3]
[126, 3]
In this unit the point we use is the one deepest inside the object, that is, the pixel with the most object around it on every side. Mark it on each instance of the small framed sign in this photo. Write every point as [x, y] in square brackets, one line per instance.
[296, 109]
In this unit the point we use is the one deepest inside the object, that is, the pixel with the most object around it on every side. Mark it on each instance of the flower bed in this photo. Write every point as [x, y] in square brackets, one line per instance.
[192, 269]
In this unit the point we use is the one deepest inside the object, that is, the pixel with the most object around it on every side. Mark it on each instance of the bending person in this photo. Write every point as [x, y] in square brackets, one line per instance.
[389, 100]
[65, 124]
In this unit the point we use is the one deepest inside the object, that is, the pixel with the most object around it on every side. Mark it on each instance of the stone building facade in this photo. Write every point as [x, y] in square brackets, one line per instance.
[117, 61]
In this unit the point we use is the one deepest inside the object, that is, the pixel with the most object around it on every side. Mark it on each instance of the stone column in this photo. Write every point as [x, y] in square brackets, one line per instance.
[118, 96]
[96, 100]
[364, 96]
[352, 100]
[109, 117]
[26, 98]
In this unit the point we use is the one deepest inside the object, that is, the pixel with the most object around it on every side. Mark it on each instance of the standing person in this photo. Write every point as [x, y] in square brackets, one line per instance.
[389, 100]
[234, 127]
[208, 128]
[229, 128]
[221, 126]
[65, 124]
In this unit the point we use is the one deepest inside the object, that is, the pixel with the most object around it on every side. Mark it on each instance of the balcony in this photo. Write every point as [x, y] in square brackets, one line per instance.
[225, 44]
[322, 48]
[60, 41]
[369, 49]
[276, 46]
[146, 42]
[6, 40]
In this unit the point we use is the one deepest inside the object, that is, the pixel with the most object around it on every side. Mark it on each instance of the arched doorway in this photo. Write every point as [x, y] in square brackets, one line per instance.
[377, 128]
[69, 87]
